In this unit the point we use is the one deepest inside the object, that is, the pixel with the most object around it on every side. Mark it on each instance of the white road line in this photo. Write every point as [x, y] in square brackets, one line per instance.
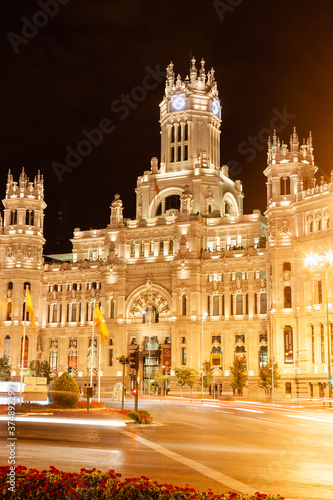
[247, 409]
[222, 411]
[202, 469]
[72, 421]
[310, 418]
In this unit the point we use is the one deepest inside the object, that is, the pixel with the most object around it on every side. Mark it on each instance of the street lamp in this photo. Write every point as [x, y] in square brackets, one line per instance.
[204, 315]
[324, 261]
[148, 311]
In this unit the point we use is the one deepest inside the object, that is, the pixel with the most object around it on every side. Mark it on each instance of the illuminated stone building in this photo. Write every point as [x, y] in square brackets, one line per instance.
[191, 275]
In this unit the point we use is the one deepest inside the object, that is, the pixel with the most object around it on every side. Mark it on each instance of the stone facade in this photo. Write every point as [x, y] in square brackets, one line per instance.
[191, 275]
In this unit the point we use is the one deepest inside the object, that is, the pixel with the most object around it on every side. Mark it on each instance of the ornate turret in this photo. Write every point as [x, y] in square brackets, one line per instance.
[23, 221]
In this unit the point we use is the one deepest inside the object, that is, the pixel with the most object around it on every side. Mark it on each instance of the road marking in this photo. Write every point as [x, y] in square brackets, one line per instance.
[310, 418]
[72, 421]
[202, 469]
[247, 409]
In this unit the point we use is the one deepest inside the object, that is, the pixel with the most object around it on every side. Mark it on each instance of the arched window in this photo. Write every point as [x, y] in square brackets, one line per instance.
[184, 305]
[72, 355]
[7, 345]
[53, 355]
[161, 245]
[216, 305]
[263, 303]
[25, 286]
[287, 297]
[239, 304]
[13, 217]
[171, 244]
[93, 352]
[29, 218]
[169, 203]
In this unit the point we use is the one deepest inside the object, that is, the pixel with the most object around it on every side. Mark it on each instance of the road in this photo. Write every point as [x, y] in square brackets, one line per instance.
[225, 446]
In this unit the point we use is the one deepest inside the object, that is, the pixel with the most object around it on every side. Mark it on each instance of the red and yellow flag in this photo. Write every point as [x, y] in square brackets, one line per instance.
[101, 325]
[157, 189]
[30, 310]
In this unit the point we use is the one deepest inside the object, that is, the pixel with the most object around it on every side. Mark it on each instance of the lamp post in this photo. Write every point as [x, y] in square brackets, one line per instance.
[324, 261]
[201, 354]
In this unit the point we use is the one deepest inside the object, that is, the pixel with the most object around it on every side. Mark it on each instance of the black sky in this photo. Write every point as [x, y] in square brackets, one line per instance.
[267, 55]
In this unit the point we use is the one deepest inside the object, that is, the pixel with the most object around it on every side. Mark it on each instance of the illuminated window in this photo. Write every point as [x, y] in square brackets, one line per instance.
[287, 297]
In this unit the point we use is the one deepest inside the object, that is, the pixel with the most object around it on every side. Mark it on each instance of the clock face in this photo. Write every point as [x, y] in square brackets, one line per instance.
[178, 102]
[216, 107]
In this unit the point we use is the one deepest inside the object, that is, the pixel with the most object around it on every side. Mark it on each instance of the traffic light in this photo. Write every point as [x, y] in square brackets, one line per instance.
[134, 391]
[69, 369]
[134, 360]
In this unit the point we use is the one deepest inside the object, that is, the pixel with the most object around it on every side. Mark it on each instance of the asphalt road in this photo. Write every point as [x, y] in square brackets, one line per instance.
[225, 446]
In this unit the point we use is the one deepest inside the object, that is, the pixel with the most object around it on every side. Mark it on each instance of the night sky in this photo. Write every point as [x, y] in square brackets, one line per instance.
[65, 75]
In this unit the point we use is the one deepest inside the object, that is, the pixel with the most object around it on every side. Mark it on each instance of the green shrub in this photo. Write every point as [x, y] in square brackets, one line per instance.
[64, 391]
[135, 416]
[144, 412]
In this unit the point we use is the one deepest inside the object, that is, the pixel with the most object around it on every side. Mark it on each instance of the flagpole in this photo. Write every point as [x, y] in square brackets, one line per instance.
[23, 344]
[99, 369]
[92, 343]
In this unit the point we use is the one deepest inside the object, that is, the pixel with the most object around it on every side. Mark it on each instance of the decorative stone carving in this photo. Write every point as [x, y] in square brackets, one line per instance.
[215, 288]
[286, 276]
[239, 286]
[28, 254]
[285, 229]
[113, 254]
[93, 294]
[74, 295]
[148, 298]
[116, 210]
[183, 247]
[54, 297]
[260, 285]
[186, 201]
[10, 255]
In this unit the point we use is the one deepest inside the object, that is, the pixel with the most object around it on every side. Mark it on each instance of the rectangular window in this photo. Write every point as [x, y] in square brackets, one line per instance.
[231, 305]
[183, 355]
[184, 305]
[110, 357]
[320, 292]
[288, 387]
[172, 155]
[255, 303]
[223, 305]
[247, 303]
[186, 152]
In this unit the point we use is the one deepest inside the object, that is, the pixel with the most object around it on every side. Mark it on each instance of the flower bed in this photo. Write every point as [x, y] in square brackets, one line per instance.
[30, 484]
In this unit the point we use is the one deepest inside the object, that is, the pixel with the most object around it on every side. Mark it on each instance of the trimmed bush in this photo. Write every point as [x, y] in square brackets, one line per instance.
[135, 416]
[144, 412]
[64, 391]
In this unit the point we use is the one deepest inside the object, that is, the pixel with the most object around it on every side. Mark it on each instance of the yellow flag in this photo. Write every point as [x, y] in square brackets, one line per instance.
[101, 325]
[30, 310]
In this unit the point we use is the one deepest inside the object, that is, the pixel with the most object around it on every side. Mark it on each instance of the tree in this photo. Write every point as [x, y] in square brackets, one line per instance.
[265, 376]
[64, 391]
[40, 369]
[207, 374]
[185, 376]
[4, 368]
[238, 375]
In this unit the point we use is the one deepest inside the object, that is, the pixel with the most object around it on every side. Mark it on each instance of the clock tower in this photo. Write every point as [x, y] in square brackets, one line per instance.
[190, 120]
